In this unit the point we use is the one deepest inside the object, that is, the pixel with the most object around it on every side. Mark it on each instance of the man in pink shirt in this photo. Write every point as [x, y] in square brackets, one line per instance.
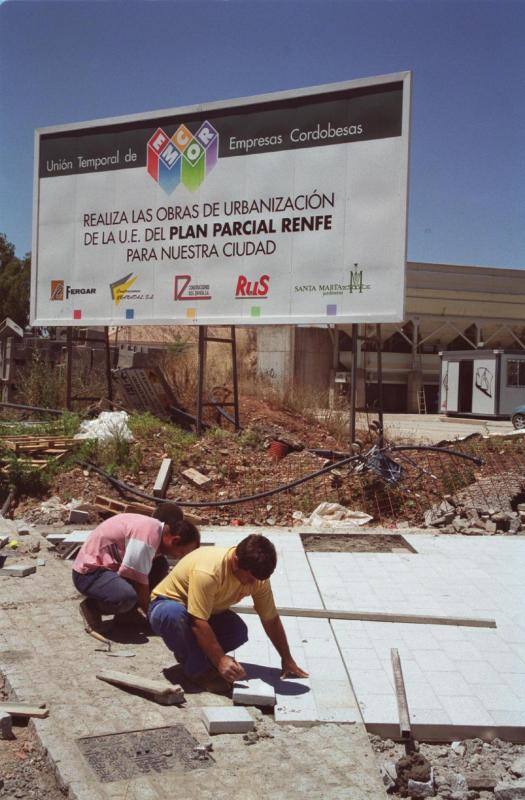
[124, 558]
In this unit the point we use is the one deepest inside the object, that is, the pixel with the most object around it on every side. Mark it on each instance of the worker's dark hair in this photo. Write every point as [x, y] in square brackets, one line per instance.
[257, 554]
[168, 512]
[186, 531]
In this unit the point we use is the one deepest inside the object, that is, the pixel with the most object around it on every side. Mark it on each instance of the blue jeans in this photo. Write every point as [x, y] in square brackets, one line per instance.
[109, 593]
[170, 620]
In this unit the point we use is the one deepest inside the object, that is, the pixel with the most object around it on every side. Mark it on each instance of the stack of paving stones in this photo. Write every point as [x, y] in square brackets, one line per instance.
[464, 770]
[474, 520]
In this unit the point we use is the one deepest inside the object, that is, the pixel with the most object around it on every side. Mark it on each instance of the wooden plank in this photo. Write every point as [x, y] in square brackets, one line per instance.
[163, 478]
[373, 616]
[166, 694]
[24, 710]
[401, 695]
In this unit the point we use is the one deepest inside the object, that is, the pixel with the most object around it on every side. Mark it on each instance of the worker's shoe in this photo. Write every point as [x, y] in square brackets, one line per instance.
[91, 616]
[212, 681]
[132, 618]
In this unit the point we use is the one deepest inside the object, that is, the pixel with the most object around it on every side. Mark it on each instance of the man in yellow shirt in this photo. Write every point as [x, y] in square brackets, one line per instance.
[190, 610]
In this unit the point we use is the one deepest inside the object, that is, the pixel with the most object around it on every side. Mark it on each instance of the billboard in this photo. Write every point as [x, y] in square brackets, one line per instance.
[276, 209]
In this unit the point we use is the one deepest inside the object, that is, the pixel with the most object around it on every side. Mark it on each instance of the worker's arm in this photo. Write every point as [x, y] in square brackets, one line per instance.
[277, 635]
[228, 667]
[143, 595]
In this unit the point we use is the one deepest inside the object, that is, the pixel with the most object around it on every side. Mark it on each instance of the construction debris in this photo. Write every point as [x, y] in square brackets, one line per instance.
[6, 725]
[107, 505]
[163, 478]
[196, 477]
[17, 570]
[24, 710]
[36, 452]
[165, 694]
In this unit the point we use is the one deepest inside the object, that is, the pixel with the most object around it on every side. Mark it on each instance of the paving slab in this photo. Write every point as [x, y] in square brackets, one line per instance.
[454, 676]
[254, 692]
[227, 719]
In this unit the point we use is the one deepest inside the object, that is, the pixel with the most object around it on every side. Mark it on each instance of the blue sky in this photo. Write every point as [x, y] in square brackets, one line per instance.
[69, 61]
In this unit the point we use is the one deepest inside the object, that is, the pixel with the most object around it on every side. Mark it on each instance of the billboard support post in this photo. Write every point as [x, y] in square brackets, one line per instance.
[69, 366]
[201, 375]
[379, 345]
[201, 403]
[108, 363]
[354, 384]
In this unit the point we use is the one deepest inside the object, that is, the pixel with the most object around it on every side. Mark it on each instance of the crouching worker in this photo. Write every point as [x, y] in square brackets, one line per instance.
[190, 610]
[124, 558]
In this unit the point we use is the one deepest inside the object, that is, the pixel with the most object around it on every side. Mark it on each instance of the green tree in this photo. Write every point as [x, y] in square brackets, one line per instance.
[15, 276]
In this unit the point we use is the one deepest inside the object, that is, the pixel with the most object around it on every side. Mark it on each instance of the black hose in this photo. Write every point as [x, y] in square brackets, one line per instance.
[126, 488]
[457, 453]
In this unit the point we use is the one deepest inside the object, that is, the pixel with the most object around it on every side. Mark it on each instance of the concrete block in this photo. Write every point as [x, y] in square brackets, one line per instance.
[55, 538]
[6, 725]
[76, 537]
[422, 788]
[76, 516]
[226, 719]
[163, 478]
[17, 570]
[518, 767]
[254, 692]
[196, 477]
[510, 791]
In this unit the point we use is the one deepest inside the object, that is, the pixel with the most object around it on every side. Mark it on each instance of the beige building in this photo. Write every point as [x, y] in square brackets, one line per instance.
[448, 307]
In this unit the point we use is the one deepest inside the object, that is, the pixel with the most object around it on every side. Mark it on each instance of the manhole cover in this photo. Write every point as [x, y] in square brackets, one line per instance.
[355, 543]
[121, 756]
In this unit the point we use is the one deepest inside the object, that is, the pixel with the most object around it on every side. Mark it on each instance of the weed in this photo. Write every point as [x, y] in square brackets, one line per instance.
[144, 426]
[26, 480]
[251, 437]
[40, 383]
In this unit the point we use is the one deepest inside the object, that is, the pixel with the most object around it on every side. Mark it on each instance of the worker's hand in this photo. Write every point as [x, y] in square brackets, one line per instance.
[291, 670]
[230, 669]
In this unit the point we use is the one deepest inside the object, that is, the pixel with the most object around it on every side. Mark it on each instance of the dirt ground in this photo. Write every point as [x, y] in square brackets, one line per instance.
[24, 771]
[354, 543]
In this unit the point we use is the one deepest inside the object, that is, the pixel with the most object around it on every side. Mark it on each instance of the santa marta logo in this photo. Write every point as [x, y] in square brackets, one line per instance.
[185, 158]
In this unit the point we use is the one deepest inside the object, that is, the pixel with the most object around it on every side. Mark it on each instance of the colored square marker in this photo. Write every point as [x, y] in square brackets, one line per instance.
[77, 314]
[130, 313]
[191, 313]
[255, 311]
[331, 310]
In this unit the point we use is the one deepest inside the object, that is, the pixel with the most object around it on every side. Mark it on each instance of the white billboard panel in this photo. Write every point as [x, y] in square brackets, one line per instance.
[276, 209]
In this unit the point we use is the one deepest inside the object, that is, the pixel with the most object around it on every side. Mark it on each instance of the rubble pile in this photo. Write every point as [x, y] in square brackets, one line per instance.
[464, 770]
[475, 521]
[486, 507]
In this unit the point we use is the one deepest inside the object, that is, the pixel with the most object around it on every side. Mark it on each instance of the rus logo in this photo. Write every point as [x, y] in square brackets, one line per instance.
[246, 288]
[184, 158]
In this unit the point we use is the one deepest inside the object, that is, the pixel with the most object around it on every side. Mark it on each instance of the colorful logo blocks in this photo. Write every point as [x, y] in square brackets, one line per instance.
[184, 158]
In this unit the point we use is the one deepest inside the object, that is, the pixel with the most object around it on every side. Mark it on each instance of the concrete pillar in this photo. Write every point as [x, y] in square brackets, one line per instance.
[276, 355]
[414, 385]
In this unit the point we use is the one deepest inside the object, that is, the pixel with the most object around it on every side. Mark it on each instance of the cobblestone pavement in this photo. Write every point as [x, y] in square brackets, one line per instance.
[46, 657]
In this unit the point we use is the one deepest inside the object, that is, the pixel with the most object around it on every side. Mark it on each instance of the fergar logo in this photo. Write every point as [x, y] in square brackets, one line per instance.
[57, 290]
[184, 158]
[246, 288]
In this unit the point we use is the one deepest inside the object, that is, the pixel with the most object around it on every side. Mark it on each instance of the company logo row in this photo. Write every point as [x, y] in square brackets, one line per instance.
[184, 288]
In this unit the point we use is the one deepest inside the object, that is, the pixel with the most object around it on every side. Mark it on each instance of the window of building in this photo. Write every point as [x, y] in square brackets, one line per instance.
[516, 373]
